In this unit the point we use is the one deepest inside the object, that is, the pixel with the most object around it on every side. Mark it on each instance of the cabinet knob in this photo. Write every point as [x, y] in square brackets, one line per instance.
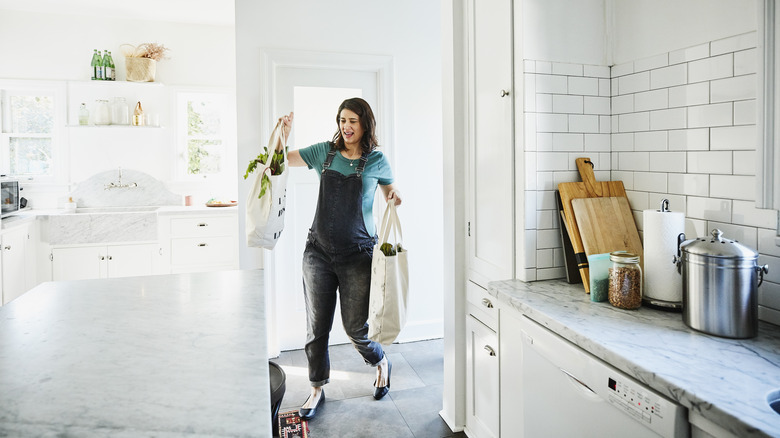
[504, 93]
[490, 350]
[203, 225]
[110, 257]
[202, 244]
[102, 257]
[486, 302]
[7, 247]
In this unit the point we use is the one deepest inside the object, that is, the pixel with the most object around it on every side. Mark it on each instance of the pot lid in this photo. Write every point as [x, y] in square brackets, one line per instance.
[718, 246]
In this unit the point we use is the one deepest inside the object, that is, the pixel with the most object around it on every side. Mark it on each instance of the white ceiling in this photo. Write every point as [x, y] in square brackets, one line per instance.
[213, 12]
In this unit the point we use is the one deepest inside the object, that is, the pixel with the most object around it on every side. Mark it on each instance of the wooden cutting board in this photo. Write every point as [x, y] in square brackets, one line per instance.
[588, 188]
[606, 225]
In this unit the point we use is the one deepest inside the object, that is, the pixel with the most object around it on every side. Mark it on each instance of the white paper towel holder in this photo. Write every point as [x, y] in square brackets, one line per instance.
[675, 306]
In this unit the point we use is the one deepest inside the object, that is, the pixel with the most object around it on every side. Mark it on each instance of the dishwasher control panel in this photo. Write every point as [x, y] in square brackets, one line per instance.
[640, 403]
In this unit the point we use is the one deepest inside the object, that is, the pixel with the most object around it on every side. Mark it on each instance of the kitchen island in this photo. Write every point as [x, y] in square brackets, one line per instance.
[721, 381]
[167, 356]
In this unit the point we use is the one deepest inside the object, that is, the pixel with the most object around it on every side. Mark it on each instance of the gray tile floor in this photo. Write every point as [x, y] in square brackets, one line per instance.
[411, 408]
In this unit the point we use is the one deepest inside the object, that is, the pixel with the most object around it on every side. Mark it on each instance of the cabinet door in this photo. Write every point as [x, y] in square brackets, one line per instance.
[482, 380]
[31, 256]
[13, 242]
[491, 151]
[77, 263]
[509, 332]
[130, 260]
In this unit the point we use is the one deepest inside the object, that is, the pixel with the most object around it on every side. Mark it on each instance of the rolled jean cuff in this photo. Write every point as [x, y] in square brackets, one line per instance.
[384, 355]
[320, 383]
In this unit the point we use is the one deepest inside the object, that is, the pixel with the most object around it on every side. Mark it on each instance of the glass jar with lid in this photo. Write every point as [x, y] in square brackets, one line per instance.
[102, 113]
[120, 113]
[625, 280]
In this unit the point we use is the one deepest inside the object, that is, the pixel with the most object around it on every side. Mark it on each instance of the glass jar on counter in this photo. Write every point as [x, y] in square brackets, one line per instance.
[102, 114]
[120, 113]
[625, 280]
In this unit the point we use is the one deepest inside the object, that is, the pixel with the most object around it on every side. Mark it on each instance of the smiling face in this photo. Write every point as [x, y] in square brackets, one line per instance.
[351, 130]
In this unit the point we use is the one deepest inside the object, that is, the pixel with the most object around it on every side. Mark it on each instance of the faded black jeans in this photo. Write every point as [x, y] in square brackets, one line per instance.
[323, 274]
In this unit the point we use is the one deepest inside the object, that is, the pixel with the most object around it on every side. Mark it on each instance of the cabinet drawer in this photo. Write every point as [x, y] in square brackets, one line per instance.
[481, 305]
[203, 226]
[203, 250]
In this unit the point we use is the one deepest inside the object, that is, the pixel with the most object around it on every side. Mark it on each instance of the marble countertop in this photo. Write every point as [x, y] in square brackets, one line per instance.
[727, 381]
[167, 356]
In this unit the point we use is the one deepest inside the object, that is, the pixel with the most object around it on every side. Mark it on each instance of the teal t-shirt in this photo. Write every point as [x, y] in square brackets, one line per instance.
[377, 171]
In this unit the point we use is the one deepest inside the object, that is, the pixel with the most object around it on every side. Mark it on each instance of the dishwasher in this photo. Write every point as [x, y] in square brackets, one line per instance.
[568, 392]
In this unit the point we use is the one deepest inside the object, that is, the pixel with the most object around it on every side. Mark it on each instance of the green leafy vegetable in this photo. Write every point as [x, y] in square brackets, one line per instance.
[276, 166]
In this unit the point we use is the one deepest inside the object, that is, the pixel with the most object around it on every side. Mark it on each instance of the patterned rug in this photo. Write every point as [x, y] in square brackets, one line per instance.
[291, 426]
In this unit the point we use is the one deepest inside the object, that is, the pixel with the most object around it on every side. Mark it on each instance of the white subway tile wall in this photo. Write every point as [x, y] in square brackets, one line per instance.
[680, 126]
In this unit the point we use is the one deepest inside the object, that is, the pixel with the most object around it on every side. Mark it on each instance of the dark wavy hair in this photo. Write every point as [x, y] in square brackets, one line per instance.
[367, 121]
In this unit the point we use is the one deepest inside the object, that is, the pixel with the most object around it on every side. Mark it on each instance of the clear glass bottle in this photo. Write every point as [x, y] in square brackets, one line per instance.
[625, 280]
[83, 114]
[102, 113]
[120, 113]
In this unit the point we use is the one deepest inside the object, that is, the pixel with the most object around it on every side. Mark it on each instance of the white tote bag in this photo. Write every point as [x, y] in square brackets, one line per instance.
[265, 214]
[389, 282]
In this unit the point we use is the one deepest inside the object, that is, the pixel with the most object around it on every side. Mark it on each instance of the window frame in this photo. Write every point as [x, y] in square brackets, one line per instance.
[179, 98]
[57, 90]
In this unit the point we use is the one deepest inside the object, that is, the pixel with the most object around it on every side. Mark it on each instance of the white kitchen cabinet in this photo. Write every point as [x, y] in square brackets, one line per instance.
[510, 376]
[199, 243]
[103, 261]
[482, 365]
[491, 142]
[12, 245]
[18, 247]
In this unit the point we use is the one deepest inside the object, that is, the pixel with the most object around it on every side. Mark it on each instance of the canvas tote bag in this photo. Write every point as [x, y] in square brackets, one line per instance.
[265, 214]
[389, 282]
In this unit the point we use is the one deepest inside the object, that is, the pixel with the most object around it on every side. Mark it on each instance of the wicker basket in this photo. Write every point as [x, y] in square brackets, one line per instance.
[140, 69]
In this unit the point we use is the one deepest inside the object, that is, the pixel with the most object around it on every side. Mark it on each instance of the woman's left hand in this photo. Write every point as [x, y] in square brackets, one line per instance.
[394, 195]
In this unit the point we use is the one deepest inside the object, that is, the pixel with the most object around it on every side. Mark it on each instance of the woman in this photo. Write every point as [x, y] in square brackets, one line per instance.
[340, 243]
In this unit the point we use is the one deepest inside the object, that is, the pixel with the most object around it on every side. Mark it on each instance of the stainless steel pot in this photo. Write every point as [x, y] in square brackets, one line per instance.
[720, 280]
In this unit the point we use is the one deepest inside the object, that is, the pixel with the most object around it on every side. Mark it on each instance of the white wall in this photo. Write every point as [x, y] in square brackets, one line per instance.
[573, 31]
[409, 32]
[58, 47]
[643, 28]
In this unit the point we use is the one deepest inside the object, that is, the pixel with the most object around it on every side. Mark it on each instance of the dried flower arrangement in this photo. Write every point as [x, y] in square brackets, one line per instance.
[146, 50]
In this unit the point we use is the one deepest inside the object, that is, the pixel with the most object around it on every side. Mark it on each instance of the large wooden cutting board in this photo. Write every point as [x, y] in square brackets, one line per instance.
[606, 225]
[588, 188]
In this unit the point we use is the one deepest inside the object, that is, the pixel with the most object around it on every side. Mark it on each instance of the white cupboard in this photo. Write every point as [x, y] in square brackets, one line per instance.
[12, 244]
[198, 243]
[103, 261]
[491, 142]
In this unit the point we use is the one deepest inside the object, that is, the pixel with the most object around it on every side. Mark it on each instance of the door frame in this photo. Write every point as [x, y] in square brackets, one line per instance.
[273, 59]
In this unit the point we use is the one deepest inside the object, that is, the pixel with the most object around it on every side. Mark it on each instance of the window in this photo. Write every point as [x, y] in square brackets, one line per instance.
[204, 124]
[32, 118]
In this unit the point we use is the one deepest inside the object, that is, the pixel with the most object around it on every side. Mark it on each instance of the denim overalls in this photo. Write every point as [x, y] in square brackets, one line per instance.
[338, 256]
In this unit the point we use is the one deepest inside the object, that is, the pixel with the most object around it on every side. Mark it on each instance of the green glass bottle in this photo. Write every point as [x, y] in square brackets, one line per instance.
[95, 64]
[108, 66]
[101, 72]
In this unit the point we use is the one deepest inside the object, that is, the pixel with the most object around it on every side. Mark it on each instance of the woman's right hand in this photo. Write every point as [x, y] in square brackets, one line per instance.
[287, 125]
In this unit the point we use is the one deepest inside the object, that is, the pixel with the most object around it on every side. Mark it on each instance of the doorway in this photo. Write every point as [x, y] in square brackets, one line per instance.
[312, 85]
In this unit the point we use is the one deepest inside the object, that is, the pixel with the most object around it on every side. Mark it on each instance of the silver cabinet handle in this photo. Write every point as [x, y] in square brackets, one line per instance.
[203, 244]
[203, 225]
[486, 302]
[490, 350]
[504, 93]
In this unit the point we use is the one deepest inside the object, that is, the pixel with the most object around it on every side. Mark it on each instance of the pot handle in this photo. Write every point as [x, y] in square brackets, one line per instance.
[761, 271]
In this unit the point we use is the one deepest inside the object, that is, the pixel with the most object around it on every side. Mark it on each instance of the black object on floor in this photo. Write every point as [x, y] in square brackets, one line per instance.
[277, 381]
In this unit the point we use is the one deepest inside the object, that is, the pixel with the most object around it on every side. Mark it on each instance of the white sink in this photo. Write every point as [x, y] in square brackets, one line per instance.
[103, 225]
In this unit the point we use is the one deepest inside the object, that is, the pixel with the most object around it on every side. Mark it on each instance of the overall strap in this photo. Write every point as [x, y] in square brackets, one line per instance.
[329, 158]
[362, 164]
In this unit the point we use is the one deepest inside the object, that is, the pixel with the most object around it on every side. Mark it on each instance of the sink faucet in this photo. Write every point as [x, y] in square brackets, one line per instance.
[119, 184]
